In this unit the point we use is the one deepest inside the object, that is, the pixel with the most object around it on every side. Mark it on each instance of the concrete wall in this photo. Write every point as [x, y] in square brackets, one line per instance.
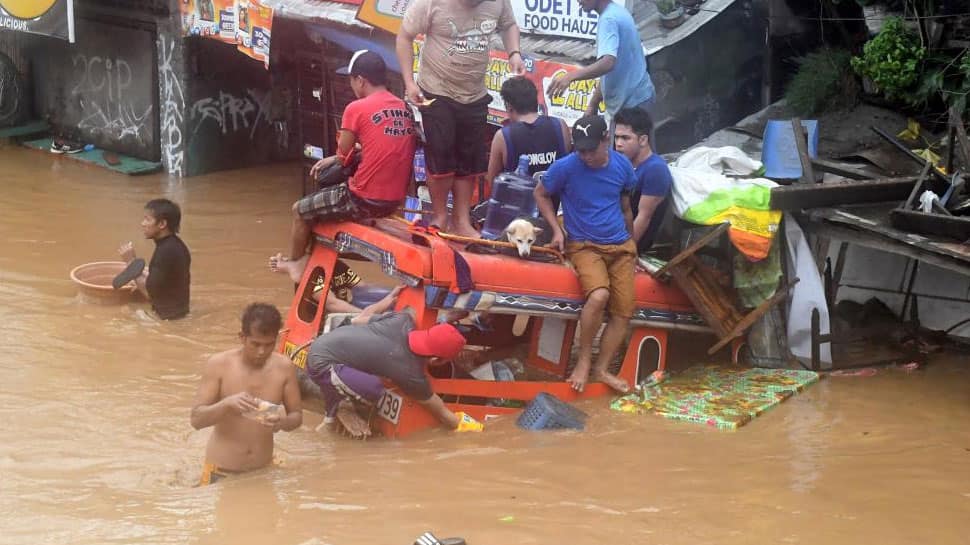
[712, 78]
[102, 88]
[227, 109]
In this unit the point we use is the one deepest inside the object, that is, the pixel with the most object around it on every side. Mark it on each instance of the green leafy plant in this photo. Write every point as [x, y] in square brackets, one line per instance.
[666, 7]
[823, 81]
[892, 60]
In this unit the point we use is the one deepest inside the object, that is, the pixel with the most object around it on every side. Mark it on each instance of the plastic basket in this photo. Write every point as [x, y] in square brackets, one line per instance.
[547, 412]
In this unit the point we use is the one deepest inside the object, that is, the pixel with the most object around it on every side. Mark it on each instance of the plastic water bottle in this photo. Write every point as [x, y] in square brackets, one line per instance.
[420, 170]
[523, 168]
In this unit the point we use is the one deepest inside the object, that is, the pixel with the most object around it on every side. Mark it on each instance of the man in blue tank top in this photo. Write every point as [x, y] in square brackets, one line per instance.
[543, 138]
[620, 63]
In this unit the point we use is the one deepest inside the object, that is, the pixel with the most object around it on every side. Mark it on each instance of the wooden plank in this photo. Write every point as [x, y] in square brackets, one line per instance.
[879, 241]
[801, 143]
[955, 227]
[691, 250]
[752, 317]
[839, 169]
[798, 196]
[961, 132]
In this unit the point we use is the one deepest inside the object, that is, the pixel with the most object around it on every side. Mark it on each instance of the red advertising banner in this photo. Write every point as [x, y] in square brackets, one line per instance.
[571, 105]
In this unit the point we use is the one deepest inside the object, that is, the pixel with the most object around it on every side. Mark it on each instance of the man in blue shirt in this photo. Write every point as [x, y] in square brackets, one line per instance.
[633, 128]
[593, 184]
[620, 62]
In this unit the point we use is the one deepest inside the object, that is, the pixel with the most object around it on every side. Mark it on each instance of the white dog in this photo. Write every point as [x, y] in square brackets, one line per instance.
[523, 234]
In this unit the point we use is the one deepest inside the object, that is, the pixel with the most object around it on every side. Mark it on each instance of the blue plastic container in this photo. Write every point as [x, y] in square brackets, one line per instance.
[514, 190]
[364, 296]
[779, 152]
[498, 217]
[548, 412]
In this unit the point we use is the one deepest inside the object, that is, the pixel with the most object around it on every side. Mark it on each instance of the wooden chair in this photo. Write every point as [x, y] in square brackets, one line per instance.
[716, 304]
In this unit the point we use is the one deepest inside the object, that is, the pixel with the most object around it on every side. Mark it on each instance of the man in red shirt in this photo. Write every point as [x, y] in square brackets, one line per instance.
[383, 126]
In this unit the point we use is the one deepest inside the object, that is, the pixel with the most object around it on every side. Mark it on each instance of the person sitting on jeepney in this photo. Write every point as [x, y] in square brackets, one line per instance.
[349, 362]
[593, 183]
[383, 126]
[543, 138]
[342, 283]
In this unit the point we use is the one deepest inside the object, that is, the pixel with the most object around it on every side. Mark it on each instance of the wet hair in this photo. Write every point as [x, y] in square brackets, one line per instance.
[635, 118]
[164, 209]
[520, 94]
[261, 319]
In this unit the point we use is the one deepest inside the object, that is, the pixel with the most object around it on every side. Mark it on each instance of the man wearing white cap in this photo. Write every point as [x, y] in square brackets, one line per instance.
[383, 127]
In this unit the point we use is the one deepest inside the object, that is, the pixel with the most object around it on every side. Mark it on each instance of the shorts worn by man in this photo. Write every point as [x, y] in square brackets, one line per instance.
[165, 282]
[234, 385]
[593, 183]
[450, 92]
[383, 126]
[350, 361]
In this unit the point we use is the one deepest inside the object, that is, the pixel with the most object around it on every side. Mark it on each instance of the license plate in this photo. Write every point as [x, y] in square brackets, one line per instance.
[300, 359]
[389, 407]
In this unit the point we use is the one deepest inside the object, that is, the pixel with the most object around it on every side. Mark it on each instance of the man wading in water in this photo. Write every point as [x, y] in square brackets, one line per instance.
[235, 394]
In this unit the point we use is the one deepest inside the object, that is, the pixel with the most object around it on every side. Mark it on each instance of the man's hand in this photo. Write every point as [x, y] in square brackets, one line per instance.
[241, 402]
[274, 420]
[517, 65]
[413, 94]
[127, 252]
[322, 164]
[559, 85]
[558, 240]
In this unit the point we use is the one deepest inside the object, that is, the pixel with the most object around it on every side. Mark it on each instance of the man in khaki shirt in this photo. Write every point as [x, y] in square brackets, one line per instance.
[450, 92]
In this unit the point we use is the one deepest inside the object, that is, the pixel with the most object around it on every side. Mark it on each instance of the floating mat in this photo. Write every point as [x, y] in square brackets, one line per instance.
[727, 398]
[32, 127]
[126, 165]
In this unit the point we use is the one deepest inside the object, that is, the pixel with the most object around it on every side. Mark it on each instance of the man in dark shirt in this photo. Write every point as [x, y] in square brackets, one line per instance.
[543, 138]
[166, 282]
[650, 200]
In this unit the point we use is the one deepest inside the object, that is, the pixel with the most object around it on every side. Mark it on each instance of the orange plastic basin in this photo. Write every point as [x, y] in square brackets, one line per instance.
[93, 281]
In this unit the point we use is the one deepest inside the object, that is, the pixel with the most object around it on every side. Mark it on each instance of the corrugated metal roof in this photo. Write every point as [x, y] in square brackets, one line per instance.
[644, 12]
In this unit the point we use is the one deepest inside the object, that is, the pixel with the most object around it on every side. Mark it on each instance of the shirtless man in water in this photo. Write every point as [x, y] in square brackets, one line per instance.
[234, 383]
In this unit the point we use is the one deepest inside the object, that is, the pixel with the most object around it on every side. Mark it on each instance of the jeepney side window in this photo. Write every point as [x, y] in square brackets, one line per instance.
[310, 296]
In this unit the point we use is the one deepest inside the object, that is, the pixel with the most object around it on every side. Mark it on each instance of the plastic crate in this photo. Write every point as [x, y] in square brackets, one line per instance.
[547, 412]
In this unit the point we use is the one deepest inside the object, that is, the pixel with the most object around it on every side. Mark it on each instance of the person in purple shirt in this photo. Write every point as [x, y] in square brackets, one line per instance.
[650, 200]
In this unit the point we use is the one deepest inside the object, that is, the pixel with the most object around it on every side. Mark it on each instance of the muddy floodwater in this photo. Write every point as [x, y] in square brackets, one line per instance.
[96, 446]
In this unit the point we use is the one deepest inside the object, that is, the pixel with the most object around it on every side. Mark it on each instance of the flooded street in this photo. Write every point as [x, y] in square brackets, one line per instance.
[96, 446]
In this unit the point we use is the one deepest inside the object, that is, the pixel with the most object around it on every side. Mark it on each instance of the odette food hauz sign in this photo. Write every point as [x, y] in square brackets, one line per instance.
[556, 18]
[48, 17]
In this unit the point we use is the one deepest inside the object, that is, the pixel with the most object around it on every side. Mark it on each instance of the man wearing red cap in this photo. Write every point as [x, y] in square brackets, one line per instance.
[349, 362]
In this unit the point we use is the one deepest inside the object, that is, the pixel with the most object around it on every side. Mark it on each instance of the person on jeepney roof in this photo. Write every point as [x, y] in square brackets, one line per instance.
[248, 394]
[349, 362]
[343, 281]
[593, 184]
[383, 126]
[651, 197]
[451, 95]
[543, 138]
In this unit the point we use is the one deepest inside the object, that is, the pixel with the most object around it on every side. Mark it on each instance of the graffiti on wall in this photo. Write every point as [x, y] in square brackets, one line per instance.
[172, 101]
[231, 113]
[101, 85]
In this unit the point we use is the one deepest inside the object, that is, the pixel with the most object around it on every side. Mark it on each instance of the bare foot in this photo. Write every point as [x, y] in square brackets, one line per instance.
[352, 423]
[280, 264]
[612, 381]
[440, 221]
[465, 230]
[579, 376]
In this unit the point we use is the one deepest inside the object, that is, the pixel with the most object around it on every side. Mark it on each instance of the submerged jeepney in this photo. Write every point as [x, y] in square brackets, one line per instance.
[444, 275]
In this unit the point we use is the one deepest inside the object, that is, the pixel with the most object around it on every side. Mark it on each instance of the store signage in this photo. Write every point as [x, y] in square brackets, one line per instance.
[384, 14]
[48, 17]
[556, 18]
